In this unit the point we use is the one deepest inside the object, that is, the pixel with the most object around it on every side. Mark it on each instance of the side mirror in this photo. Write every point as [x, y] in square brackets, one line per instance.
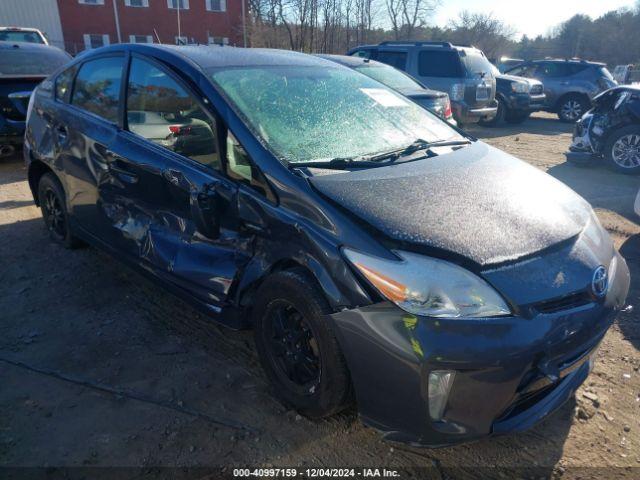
[205, 211]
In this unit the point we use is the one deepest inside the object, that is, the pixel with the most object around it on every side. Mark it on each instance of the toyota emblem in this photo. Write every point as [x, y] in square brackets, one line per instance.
[599, 282]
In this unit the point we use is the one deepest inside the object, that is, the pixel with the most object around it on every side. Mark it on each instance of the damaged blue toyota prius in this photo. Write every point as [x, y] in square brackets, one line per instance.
[381, 256]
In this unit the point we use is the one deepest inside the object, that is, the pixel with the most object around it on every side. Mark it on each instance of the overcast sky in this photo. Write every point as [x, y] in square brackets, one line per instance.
[530, 17]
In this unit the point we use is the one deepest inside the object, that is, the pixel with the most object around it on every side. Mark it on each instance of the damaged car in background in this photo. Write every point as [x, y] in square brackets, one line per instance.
[381, 256]
[22, 67]
[610, 132]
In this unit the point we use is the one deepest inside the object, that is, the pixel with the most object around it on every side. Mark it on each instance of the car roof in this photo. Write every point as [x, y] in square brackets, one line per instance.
[350, 61]
[570, 60]
[19, 29]
[409, 43]
[211, 56]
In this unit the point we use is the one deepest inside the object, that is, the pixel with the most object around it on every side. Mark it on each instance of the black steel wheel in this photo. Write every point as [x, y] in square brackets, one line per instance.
[297, 347]
[54, 212]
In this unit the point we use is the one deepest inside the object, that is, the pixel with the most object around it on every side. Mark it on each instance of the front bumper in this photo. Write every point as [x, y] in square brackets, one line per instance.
[511, 372]
[465, 114]
[525, 102]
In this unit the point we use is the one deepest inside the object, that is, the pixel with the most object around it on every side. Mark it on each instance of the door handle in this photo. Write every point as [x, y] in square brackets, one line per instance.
[118, 167]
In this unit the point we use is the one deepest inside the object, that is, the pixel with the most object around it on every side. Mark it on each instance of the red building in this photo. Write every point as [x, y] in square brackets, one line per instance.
[94, 23]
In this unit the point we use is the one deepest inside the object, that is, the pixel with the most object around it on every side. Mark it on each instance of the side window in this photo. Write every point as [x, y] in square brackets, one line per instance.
[576, 68]
[239, 165]
[554, 70]
[362, 53]
[434, 63]
[97, 87]
[395, 59]
[63, 84]
[162, 111]
[528, 71]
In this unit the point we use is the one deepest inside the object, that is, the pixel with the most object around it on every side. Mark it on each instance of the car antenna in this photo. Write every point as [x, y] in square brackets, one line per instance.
[157, 36]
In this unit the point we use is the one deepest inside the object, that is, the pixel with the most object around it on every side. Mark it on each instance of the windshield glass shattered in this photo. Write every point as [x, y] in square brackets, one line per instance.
[320, 113]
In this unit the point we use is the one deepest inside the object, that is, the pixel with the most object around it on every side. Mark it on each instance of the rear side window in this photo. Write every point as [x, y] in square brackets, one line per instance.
[97, 87]
[395, 59]
[162, 111]
[434, 63]
[528, 71]
[63, 84]
[361, 54]
[557, 69]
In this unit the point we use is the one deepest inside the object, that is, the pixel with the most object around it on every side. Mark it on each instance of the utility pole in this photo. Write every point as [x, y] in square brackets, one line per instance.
[244, 25]
[179, 31]
[117, 20]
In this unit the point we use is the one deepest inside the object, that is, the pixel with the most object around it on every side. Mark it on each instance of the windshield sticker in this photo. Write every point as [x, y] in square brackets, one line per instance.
[384, 97]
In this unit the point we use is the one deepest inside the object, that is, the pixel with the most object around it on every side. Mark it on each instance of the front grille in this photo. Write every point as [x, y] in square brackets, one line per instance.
[573, 300]
[536, 90]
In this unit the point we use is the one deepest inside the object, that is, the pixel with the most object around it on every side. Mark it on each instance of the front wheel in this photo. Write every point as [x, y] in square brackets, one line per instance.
[572, 107]
[297, 347]
[622, 150]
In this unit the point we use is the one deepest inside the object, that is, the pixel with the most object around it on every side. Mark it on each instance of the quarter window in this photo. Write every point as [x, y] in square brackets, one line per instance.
[395, 59]
[434, 63]
[162, 111]
[63, 84]
[97, 87]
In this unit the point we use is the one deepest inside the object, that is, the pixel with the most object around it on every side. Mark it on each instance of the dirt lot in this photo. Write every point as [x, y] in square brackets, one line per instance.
[99, 367]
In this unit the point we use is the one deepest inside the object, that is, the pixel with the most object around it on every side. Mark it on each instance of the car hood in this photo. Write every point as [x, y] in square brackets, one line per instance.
[417, 93]
[514, 78]
[477, 202]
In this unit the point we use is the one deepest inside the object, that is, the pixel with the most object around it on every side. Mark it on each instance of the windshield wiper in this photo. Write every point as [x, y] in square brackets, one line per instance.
[376, 160]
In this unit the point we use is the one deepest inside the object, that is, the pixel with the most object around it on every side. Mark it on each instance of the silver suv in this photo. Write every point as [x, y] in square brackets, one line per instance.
[569, 85]
[462, 71]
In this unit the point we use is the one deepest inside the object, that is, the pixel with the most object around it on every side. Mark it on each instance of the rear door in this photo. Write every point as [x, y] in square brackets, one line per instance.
[84, 128]
[178, 215]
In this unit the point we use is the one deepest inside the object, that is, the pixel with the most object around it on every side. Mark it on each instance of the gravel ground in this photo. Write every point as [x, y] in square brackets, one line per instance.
[100, 368]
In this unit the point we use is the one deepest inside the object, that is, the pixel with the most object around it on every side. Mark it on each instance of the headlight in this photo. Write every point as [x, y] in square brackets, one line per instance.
[520, 87]
[429, 286]
[457, 92]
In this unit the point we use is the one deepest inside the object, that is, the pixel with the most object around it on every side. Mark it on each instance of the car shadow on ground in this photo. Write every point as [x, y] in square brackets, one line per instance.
[535, 125]
[120, 338]
[601, 187]
[629, 321]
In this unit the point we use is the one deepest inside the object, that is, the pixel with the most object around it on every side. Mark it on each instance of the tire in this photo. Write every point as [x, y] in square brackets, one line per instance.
[515, 118]
[500, 115]
[54, 211]
[572, 107]
[622, 150]
[289, 315]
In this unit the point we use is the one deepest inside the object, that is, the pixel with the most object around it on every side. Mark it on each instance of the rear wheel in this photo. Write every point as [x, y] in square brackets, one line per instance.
[622, 150]
[297, 347]
[54, 211]
[572, 107]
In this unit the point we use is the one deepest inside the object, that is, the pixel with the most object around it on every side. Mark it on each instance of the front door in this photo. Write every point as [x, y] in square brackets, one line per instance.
[178, 216]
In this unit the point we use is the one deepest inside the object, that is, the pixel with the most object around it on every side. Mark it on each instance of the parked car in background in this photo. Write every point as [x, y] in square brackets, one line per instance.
[610, 131]
[463, 72]
[23, 35]
[569, 85]
[517, 97]
[379, 254]
[627, 74]
[506, 63]
[433, 100]
[22, 67]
